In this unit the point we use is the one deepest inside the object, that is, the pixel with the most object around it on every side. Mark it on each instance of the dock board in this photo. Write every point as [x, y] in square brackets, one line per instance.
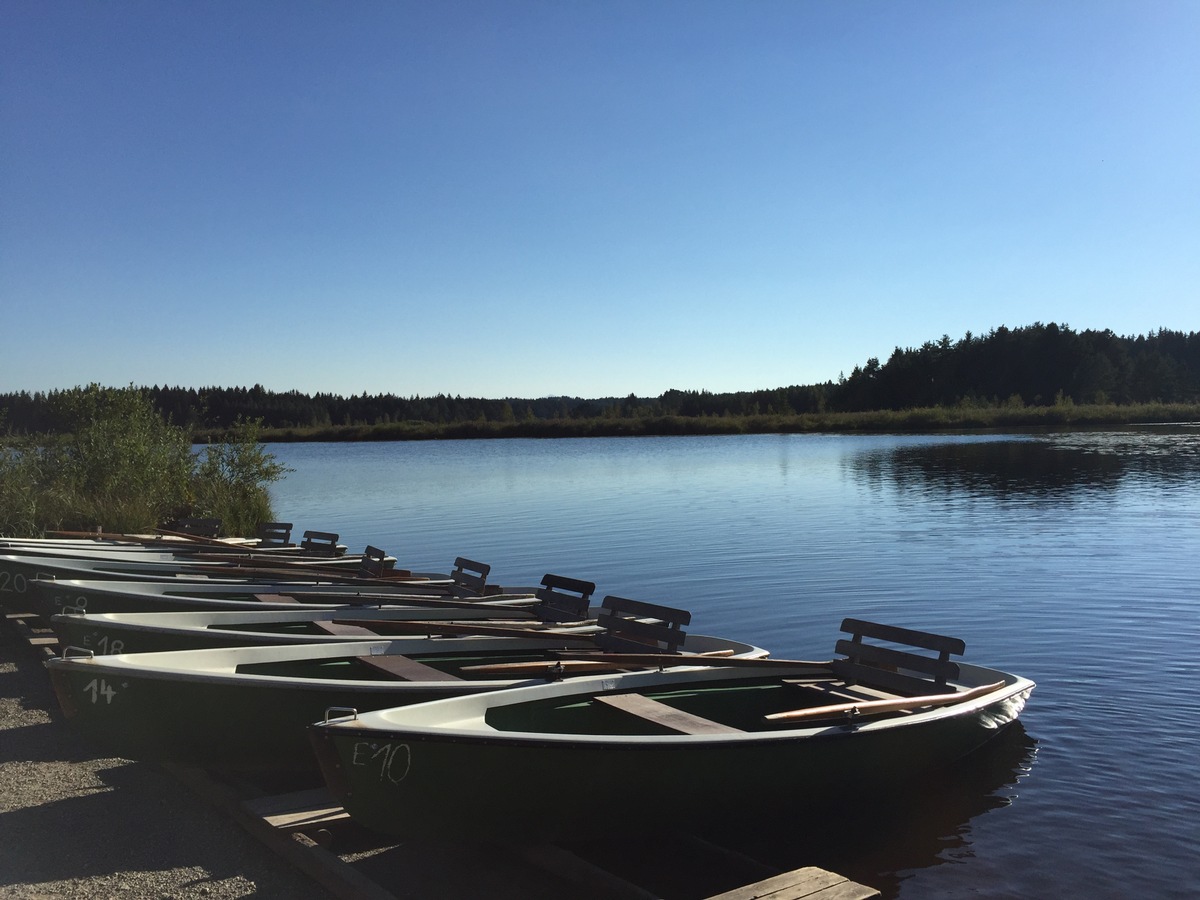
[808, 883]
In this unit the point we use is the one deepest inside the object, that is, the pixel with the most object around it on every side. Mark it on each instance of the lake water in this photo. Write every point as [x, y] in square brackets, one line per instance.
[1070, 559]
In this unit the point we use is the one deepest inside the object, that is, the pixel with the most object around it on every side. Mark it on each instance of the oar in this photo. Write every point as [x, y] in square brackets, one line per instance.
[197, 538]
[594, 662]
[301, 573]
[682, 659]
[469, 629]
[508, 611]
[873, 706]
[535, 666]
[105, 536]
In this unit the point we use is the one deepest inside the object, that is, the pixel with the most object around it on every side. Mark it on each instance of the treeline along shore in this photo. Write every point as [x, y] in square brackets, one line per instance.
[1033, 376]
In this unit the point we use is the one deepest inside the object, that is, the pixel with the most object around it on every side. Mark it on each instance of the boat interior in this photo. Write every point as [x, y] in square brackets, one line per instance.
[897, 673]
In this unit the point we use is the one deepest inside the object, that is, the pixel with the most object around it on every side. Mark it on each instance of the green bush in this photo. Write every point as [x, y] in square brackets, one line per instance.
[230, 479]
[115, 463]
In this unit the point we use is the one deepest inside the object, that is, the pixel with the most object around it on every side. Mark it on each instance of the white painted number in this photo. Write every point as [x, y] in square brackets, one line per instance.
[71, 604]
[98, 688]
[393, 760]
[13, 583]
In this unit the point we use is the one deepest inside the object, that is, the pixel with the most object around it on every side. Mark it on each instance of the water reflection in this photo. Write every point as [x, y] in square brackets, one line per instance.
[881, 840]
[1027, 468]
[1047, 466]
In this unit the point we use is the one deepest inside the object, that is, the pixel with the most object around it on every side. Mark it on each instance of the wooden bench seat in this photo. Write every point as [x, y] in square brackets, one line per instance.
[342, 628]
[406, 669]
[667, 716]
[275, 598]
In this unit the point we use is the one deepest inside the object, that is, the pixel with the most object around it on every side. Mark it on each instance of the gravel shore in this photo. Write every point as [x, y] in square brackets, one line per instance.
[75, 826]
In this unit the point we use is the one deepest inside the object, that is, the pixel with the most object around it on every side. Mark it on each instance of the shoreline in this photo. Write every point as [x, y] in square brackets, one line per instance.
[938, 420]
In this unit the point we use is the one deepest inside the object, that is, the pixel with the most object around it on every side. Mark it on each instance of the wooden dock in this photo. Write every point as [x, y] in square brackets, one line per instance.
[301, 825]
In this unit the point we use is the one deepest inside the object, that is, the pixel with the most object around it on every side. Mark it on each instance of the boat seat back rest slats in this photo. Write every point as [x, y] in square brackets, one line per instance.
[469, 577]
[875, 665]
[320, 543]
[274, 534]
[562, 599]
[633, 625]
[374, 563]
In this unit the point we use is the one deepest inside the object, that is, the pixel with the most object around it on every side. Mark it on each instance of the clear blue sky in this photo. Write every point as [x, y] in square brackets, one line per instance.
[586, 197]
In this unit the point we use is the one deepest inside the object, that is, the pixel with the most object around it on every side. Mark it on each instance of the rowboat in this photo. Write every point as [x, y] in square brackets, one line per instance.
[318, 550]
[48, 596]
[142, 565]
[466, 582]
[247, 708]
[725, 743]
[18, 574]
[253, 623]
[272, 539]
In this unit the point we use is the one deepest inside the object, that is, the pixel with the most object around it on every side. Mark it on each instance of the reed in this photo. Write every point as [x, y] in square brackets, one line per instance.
[964, 417]
[115, 463]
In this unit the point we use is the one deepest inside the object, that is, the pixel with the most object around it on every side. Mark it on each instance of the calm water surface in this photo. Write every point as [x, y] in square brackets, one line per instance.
[1069, 559]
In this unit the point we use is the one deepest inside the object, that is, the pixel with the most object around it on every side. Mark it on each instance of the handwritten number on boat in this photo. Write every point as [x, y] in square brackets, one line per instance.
[12, 584]
[393, 760]
[97, 688]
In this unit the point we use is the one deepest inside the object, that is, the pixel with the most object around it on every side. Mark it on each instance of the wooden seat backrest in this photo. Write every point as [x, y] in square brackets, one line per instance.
[562, 599]
[198, 527]
[374, 563]
[469, 577]
[877, 666]
[275, 534]
[633, 626]
[320, 543]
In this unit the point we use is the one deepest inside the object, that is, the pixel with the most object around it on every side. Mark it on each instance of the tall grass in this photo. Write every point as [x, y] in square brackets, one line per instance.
[962, 417]
[115, 463]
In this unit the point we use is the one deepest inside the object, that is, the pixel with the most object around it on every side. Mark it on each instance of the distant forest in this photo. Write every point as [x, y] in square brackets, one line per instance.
[1034, 366]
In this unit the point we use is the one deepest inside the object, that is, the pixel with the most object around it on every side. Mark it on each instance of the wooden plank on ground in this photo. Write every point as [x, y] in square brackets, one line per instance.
[808, 883]
[339, 878]
[297, 811]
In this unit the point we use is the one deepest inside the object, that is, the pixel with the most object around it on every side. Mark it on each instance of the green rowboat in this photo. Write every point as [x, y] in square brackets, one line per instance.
[721, 745]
